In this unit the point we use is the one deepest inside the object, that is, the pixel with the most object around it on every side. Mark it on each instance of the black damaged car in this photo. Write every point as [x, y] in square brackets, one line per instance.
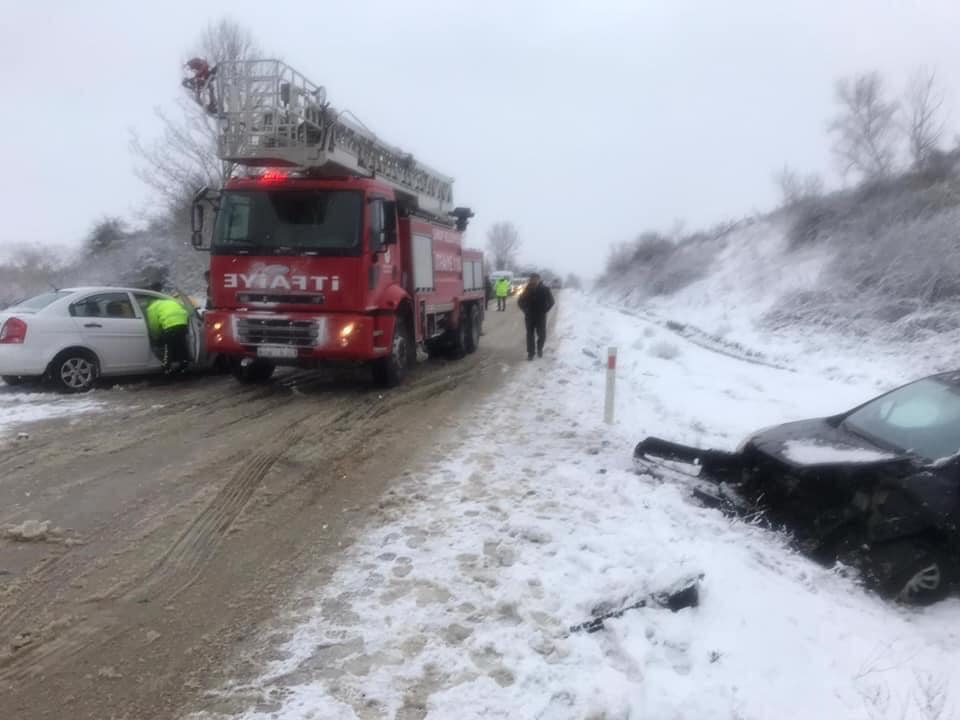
[876, 488]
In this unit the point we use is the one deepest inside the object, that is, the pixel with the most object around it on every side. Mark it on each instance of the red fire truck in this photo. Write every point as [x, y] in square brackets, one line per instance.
[329, 245]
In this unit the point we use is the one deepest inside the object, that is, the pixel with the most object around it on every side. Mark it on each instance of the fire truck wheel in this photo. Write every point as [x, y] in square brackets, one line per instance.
[474, 328]
[461, 336]
[435, 349]
[258, 371]
[391, 370]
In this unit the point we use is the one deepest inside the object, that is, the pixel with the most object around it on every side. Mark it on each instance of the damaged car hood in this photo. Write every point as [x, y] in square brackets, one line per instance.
[821, 442]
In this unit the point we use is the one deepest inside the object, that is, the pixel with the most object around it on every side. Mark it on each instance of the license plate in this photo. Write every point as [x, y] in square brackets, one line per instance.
[276, 351]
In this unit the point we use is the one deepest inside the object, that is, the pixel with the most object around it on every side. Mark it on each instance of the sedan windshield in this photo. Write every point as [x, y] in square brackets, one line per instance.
[324, 222]
[39, 302]
[923, 418]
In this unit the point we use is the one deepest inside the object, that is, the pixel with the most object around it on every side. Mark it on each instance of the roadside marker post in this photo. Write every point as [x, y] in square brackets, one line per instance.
[611, 385]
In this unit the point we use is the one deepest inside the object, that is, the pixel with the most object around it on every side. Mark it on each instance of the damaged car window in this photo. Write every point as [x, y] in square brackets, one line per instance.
[923, 417]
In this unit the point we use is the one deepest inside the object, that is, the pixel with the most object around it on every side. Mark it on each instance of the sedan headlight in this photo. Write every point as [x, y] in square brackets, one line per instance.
[743, 444]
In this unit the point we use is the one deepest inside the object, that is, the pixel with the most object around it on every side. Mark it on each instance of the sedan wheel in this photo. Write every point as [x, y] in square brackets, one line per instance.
[75, 373]
[926, 581]
[911, 571]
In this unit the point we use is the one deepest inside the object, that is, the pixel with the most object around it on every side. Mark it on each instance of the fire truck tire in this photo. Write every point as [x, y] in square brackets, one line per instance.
[390, 371]
[460, 337]
[258, 371]
[435, 349]
[474, 328]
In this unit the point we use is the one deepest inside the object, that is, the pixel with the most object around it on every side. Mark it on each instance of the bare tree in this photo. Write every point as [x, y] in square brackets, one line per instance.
[184, 157]
[504, 243]
[105, 235]
[795, 187]
[31, 269]
[864, 127]
[923, 103]
[227, 40]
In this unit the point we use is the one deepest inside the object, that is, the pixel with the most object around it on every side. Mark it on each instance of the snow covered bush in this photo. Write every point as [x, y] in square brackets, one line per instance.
[654, 265]
[111, 255]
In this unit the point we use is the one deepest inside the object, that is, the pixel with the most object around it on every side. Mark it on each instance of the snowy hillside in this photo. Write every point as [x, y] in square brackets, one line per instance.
[869, 274]
[755, 279]
[457, 603]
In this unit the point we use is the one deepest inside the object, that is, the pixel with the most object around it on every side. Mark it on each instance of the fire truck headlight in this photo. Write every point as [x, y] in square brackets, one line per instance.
[346, 332]
[217, 326]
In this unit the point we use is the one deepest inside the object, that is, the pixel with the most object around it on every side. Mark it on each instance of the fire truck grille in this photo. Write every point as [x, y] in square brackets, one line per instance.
[270, 331]
[284, 299]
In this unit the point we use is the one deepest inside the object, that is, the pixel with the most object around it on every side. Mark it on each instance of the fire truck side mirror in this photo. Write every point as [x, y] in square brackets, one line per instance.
[197, 212]
[390, 223]
[196, 238]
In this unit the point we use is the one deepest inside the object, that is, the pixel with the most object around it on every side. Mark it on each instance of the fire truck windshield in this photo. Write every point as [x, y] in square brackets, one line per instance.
[275, 222]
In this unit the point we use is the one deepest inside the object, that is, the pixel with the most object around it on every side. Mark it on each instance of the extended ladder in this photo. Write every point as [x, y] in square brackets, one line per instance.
[271, 115]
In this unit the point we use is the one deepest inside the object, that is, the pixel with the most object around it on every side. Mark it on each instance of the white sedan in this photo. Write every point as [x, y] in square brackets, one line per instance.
[75, 335]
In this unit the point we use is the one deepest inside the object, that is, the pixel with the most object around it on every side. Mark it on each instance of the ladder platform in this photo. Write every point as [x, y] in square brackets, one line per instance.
[271, 115]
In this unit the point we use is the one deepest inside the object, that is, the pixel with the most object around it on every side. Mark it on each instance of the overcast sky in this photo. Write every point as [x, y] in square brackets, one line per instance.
[582, 122]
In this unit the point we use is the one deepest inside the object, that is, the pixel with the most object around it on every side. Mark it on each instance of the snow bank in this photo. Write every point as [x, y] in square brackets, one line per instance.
[18, 407]
[458, 602]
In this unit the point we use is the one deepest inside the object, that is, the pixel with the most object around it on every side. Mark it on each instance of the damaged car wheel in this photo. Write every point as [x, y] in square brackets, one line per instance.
[910, 571]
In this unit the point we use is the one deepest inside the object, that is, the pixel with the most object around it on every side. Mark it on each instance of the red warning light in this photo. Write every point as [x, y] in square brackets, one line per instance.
[273, 176]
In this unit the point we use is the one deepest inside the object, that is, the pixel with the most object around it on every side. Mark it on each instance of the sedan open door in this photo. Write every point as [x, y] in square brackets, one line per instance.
[110, 326]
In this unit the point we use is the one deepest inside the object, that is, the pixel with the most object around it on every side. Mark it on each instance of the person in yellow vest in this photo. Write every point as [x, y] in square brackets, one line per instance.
[503, 292]
[169, 324]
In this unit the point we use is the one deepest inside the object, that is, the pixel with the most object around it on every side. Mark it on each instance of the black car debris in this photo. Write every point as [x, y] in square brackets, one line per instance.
[876, 488]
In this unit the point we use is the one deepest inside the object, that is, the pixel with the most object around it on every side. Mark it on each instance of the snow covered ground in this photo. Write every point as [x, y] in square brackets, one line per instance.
[457, 603]
[19, 406]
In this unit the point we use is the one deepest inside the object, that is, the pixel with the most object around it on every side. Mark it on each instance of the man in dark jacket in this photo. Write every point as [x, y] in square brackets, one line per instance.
[536, 301]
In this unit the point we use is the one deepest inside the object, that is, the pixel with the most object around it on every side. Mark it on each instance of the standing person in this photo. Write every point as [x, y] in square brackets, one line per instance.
[487, 292]
[536, 302]
[503, 292]
[168, 322]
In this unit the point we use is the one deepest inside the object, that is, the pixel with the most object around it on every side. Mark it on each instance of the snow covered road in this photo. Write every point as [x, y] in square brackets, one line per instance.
[457, 602]
[19, 407]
